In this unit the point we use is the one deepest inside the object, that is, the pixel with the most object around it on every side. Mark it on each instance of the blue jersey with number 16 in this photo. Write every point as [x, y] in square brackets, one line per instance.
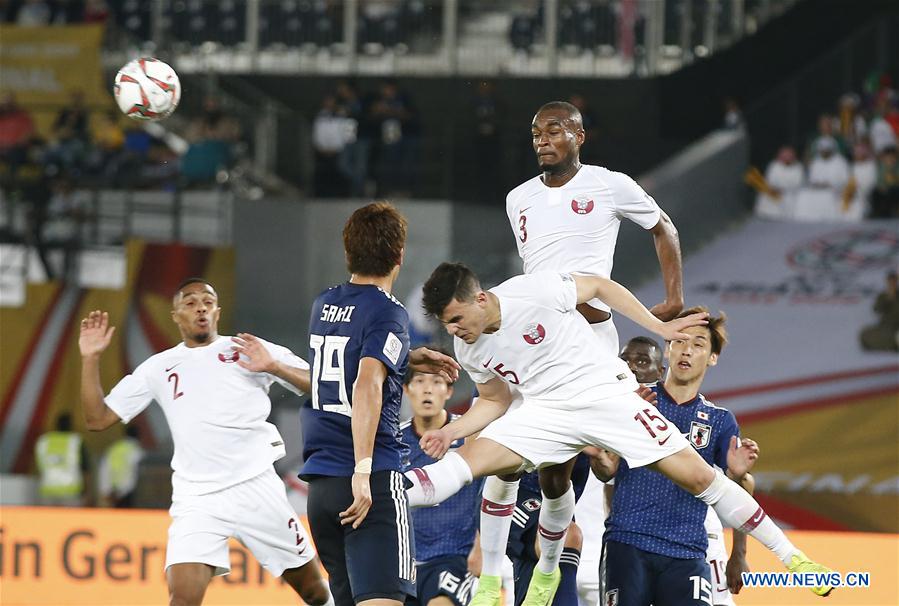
[350, 322]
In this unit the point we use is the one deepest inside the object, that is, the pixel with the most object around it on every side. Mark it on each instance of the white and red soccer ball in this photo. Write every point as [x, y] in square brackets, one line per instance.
[147, 89]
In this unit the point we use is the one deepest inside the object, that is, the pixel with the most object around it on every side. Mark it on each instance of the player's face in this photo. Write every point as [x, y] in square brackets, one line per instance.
[643, 360]
[556, 140]
[428, 394]
[196, 312]
[465, 319]
[688, 359]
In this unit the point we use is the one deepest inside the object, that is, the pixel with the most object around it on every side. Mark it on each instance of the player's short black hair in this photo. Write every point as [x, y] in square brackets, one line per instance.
[190, 281]
[573, 112]
[717, 326]
[449, 281]
[649, 342]
[410, 374]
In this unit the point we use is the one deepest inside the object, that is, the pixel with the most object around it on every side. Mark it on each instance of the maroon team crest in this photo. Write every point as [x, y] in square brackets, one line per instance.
[582, 206]
[534, 333]
[229, 358]
[700, 434]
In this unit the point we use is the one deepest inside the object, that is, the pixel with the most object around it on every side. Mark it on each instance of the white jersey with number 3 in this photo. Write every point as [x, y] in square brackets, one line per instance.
[215, 409]
[574, 228]
[544, 347]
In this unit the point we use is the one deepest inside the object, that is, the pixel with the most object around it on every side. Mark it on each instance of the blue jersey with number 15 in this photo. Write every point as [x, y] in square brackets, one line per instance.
[350, 322]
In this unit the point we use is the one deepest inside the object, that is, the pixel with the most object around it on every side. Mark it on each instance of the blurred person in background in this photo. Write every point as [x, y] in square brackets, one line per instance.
[353, 160]
[109, 143]
[884, 336]
[400, 135]
[828, 170]
[882, 134]
[852, 124]
[70, 135]
[117, 473]
[885, 197]
[785, 176]
[827, 129]
[213, 391]
[17, 133]
[331, 131]
[733, 117]
[211, 135]
[62, 463]
[96, 11]
[33, 13]
[863, 179]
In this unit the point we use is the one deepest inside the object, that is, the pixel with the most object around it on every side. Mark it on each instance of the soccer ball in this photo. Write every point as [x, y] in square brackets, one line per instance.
[147, 89]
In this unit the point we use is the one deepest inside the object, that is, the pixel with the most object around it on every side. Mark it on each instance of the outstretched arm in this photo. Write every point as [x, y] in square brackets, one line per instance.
[667, 243]
[622, 300]
[94, 338]
[493, 401]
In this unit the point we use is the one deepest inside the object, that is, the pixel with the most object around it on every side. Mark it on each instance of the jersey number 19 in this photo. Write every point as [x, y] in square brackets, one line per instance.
[327, 366]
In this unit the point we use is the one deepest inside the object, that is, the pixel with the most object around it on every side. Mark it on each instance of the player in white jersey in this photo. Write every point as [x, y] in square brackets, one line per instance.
[526, 332]
[567, 219]
[214, 393]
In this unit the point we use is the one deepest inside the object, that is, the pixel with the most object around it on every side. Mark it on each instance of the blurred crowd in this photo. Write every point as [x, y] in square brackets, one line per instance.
[32, 13]
[848, 168]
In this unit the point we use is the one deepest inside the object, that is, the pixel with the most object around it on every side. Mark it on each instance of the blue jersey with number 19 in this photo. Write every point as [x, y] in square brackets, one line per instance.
[347, 323]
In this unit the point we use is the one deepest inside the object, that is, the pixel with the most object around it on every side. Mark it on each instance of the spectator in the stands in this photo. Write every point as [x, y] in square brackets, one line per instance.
[109, 143]
[882, 134]
[733, 117]
[96, 11]
[117, 474]
[380, 22]
[71, 134]
[852, 124]
[355, 156]
[486, 113]
[884, 336]
[62, 465]
[34, 13]
[17, 133]
[885, 197]
[211, 136]
[331, 131]
[400, 133]
[864, 178]
[784, 176]
[828, 169]
[63, 226]
[827, 129]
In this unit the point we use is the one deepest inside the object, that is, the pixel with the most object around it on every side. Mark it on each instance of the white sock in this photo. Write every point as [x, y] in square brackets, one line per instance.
[496, 519]
[739, 510]
[555, 516]
[434, 483]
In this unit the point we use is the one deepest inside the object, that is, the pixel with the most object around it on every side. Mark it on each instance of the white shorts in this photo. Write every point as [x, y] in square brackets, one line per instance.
[546, 432]
[716, 556]
[254, 512]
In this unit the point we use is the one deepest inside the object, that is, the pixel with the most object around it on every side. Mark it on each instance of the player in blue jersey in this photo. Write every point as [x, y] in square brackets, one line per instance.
[656, 541]
[359, 351]
[444, 535]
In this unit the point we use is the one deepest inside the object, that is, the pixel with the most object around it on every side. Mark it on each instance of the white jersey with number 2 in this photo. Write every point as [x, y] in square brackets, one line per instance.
[215, 410]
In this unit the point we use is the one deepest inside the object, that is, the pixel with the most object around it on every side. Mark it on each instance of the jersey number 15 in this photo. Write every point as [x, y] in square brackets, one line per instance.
[327, 366]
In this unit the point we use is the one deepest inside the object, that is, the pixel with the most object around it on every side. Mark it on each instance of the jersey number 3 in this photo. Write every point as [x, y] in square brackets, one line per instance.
[327, 366]
[522, 228]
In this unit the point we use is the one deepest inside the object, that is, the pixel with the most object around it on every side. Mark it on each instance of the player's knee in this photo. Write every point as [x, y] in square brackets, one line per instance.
[574, 538]
[185, 598]
[440, 600]
[316, 594]
[554, 482]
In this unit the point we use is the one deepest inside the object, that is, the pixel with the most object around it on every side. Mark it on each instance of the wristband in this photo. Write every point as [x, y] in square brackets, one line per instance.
[363, 466]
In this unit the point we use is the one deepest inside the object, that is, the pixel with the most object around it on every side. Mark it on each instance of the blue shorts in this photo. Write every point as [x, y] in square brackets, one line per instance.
[522, 539]
[447, 576]
[376, 560]
[632, 577]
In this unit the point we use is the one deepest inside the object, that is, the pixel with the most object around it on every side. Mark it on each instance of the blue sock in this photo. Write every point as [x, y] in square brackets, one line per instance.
[566, 594]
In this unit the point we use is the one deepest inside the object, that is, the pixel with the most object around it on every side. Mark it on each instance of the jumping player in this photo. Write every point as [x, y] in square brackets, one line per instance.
[526, 332]
[214, 392]
[566, 219]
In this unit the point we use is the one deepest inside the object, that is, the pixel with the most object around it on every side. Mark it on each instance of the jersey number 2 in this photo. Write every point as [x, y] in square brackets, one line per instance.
[175, 393]
[327, 365]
